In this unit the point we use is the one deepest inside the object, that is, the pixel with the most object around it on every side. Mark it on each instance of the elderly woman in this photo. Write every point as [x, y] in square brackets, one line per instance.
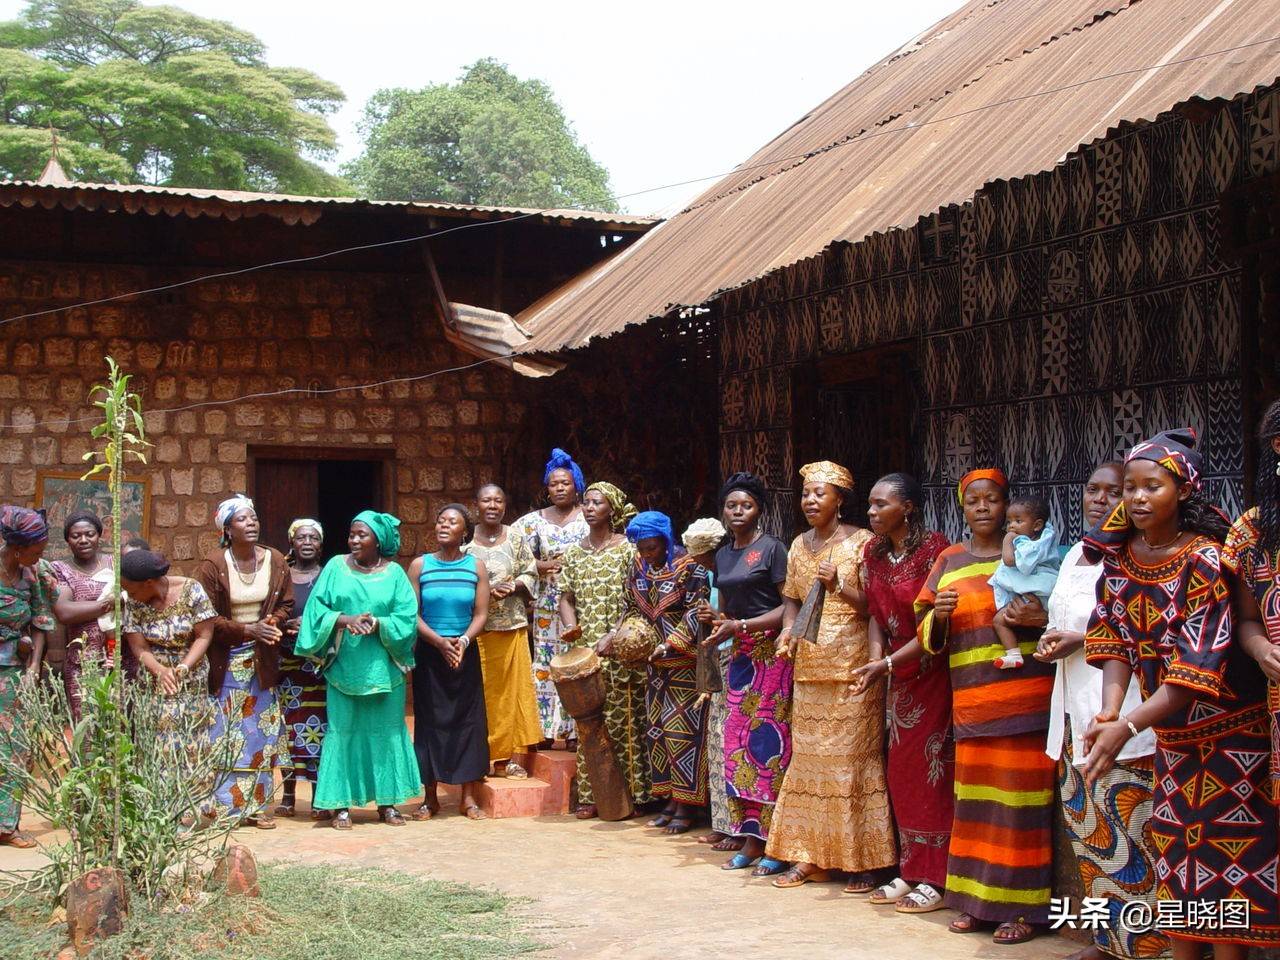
[83, 596]
[361, 621]
[301, 689]
[833, 809]
[921, 749]
[999, 863]
[664, 586]
[550, 532]
[25, 619]
[450, 735]
[509, 700]
[252, 592]
[1164, 614]
[592, 601]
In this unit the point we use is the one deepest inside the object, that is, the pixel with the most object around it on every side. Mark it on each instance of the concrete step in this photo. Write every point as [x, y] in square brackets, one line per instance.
[546, 793]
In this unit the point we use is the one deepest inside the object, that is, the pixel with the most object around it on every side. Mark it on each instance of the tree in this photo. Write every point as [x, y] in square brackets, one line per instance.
[489, 138]
[158, 95]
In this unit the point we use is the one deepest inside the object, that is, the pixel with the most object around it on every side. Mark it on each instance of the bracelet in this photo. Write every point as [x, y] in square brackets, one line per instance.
[742, 626]
[888, 662]
[1129, 723]
[182, 670]
[839, 584]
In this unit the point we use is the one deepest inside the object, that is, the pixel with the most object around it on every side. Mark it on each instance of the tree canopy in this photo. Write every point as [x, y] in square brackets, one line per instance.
[490, 138]
[158, 95]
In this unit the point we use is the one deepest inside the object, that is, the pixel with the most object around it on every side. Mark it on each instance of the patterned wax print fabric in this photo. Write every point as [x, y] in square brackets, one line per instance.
[1213, 822]
[510, 561]
[597, 580]
[302, 698]
[549, 541]
[1000, 859]
[921, 749]
[251, 716]
[85, 640]
[23, 607]
[833, 809]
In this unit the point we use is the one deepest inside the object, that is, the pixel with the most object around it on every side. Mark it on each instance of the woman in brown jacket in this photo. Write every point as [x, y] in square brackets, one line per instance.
[252, 593]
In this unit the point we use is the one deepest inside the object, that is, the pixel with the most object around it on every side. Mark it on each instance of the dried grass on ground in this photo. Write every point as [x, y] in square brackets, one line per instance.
[305, 913]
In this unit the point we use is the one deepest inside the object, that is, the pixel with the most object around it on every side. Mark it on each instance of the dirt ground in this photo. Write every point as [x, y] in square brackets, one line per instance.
[598, 891]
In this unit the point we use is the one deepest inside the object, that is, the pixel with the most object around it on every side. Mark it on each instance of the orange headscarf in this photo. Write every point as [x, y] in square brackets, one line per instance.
[994, 474]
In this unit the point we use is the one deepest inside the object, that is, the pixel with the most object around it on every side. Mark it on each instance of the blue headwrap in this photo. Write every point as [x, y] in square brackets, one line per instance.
[562, 461]
[652, 523]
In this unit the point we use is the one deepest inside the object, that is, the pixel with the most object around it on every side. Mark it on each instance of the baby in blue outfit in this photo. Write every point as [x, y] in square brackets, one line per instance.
[1029, 566]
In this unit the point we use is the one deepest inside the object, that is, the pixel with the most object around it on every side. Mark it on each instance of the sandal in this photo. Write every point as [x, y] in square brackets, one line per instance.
[392, 817]
[342, 820]
[262, 823]
[965, 923]
[768, 867]
[425, 812]
[662, 819]
[890, 892]
[586, 811]
[284, 810]
[729, 844]
[797, 876]
[923, 899]
[860, 883]
[1014, 931]
[18, 839]
[321, 814]
[739, 861]
[715, 836]
[473, 812]
[513, 771]
[679, 825]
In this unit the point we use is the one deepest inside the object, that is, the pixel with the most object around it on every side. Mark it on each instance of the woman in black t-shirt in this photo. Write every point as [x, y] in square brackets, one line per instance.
[750, 569]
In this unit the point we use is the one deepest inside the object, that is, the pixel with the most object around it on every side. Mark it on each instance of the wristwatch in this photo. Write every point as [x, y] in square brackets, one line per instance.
[182, 671]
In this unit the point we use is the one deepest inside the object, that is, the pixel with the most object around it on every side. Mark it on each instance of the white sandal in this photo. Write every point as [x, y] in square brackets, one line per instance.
[891, 892]
[923, 899]
[513, 771]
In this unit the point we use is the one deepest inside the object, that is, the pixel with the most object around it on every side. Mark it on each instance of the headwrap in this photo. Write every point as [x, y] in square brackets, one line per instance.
[749, 484]
[703, 535]
[140, 565]
[305, 522]
[81, 516]
[652, 523]
[994, 474]
[386, 529]
[824, 471]
[620, 510]
[562, 461]
[22, 526]
[229, 508]
[1175, 450]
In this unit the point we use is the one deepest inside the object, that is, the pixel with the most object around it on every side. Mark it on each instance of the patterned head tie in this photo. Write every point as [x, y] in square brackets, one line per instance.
[562, 461]
[621, 511]
[703, 536]
[229, 508]
[305, 522]
[22, 526]
[824, 471]
[652, 524]
[994, 474]
[1175, 450]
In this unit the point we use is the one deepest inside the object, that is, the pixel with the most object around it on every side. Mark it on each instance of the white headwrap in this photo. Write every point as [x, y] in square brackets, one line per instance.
[305, 522]
[703, 535]
[229, 508]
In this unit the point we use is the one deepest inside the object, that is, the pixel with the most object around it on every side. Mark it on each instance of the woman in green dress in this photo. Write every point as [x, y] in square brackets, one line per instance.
[361, 620]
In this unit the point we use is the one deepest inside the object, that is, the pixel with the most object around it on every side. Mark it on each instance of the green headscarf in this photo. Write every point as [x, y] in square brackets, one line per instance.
[386, 529]
[621, 511]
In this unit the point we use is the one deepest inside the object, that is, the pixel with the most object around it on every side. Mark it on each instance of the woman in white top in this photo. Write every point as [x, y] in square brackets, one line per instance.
[1105, 823]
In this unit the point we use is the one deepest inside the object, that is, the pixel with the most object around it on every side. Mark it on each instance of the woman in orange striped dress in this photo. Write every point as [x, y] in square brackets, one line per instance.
[999, 864]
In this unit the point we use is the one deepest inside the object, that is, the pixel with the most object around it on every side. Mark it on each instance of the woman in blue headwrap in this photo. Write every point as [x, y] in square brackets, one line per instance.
[25, 619]
[665, 585]
[550, 532]
[361, 620]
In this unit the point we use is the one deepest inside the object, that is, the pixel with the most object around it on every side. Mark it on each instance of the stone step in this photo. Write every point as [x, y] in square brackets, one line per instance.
[546, 793]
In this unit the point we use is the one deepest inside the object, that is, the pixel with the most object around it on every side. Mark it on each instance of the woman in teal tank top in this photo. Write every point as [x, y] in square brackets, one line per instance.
[450, 734]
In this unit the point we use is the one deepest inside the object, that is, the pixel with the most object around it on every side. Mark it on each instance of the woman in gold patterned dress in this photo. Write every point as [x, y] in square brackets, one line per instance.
[833, 809]
[593, 578]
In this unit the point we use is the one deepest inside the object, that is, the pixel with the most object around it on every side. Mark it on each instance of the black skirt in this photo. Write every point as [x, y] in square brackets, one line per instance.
[450, 730]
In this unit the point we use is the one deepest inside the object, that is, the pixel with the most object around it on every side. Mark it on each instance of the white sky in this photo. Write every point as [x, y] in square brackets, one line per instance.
[659, 92]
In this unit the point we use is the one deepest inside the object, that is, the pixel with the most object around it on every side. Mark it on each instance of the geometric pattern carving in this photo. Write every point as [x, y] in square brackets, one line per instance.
[1137, 175]
[1053, 366]
[1224, 150]
[1109, 156]
[1264, 134]
[1189, 163]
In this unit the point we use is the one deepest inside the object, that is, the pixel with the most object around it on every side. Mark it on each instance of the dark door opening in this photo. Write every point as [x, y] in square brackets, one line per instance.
[331, 485]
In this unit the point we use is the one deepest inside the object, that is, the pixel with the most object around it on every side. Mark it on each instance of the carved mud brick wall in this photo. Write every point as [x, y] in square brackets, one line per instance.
[1055, 319]
[195, 350]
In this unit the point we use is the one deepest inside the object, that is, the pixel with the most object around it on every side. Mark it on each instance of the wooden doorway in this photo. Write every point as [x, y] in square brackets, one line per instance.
[329, 484]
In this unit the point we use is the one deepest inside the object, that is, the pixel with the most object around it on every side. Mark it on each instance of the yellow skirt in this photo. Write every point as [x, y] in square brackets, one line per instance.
[509, 700]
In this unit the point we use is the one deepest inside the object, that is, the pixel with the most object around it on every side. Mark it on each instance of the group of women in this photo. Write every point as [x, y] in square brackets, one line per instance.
[861, 728]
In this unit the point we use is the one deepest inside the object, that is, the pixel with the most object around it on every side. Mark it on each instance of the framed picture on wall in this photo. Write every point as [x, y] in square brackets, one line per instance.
[62, 493]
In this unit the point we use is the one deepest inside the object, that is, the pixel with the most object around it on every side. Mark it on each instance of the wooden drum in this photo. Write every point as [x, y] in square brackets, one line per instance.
[579, 680]
[635, 640]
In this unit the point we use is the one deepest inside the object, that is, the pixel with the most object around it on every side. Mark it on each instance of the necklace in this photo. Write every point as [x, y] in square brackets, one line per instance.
[897, 558]
[360, 566]
[1162, 546]
[589, 545]
[492, 539]
[814, 535]
[253, 575]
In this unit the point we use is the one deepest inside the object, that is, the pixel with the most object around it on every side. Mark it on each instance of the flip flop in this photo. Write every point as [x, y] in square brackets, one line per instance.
[795, 877]
[661, 820]
[890, 892]
[739, 861]
[473, 812]
[679, 825]
[768, 867]
[923, 899]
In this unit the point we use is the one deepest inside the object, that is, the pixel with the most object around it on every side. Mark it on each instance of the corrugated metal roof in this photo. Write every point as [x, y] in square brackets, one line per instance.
[233, 204]
[919, 131]
[496, 335]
